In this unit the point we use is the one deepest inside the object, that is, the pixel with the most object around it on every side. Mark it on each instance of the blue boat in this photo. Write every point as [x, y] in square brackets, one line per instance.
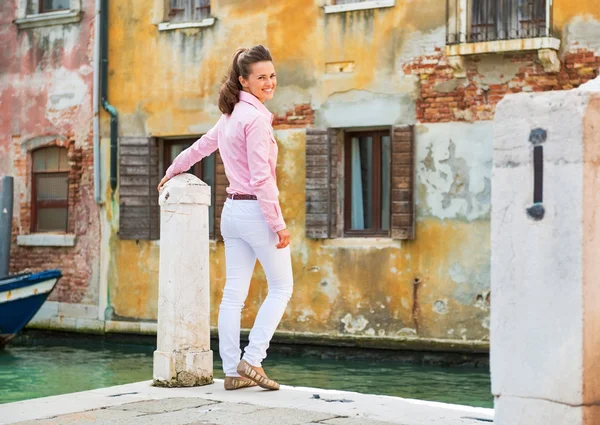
[21, 296]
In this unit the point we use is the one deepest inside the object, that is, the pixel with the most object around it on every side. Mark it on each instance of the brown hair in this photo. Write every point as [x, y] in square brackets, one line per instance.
[229, 94]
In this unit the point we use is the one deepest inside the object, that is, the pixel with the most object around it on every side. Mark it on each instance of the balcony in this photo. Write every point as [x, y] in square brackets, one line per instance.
[497, 26]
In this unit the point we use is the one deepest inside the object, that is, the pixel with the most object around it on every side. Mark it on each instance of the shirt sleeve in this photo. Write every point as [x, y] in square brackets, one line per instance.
[201, 148]
[262, 181]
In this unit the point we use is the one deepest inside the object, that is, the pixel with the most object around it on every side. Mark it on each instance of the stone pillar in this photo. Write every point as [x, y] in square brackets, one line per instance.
[6, 216]
[545, 314]
[183, 357]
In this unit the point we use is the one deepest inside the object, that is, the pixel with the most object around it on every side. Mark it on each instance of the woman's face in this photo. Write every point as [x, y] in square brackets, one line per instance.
[262, 80]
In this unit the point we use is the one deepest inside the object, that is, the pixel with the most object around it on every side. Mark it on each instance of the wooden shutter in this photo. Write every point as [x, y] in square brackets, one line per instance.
[221, 184]
[402, 183]
[139, 212]
[322, 158]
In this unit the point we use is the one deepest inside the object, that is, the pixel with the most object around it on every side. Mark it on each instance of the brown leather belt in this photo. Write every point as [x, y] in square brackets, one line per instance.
[241, 197]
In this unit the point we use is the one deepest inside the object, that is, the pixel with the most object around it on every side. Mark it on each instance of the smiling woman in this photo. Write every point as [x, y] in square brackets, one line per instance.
[252, 224]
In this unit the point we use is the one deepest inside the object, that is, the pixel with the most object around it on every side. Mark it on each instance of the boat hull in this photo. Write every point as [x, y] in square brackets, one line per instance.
[20, 299]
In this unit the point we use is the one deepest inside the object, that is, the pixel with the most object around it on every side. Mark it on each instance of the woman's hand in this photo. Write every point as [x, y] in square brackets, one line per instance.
[284, 238]
[162, 182]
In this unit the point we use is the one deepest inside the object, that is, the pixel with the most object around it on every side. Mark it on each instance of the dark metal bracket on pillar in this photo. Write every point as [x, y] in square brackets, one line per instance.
[537, 137]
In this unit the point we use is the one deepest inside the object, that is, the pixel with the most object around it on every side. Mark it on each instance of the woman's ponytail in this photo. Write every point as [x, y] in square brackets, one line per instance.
[229, 94]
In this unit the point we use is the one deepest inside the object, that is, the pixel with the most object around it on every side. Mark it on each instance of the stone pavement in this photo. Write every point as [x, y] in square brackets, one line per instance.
[142, 404]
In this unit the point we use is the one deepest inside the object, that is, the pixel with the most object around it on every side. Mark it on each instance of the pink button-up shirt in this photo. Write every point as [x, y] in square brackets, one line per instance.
[249, 152]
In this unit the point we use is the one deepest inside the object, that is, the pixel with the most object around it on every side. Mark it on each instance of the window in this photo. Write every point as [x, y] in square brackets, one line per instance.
[337, 6]
[140, 170]
[189, 10]
[492, 20]
[50, 183]
[41, 13]
[507, 19]
[475, 27]
[367, 183]
[204, 170]
[359, 183]
[54, 5]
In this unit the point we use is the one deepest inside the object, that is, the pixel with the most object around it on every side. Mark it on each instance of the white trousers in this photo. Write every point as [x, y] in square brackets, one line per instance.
[248, 237]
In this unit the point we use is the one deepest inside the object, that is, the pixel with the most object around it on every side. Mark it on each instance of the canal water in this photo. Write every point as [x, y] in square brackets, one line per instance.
[44, 366]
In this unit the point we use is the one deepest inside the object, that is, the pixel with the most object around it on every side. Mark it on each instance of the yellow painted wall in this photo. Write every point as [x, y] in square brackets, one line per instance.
[165, 84]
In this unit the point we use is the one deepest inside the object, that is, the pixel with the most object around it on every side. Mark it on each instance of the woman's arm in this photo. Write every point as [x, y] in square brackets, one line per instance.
[201, 148]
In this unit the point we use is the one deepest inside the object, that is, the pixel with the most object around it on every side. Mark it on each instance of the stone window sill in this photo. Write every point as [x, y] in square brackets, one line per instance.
[46, 239]
[547, 48]
[362, 243]
[363, 5]
[168, 26]
[47, 19]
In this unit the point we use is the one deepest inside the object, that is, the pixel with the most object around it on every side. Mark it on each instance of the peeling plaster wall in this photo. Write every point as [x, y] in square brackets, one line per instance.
[453, 171]
[46, 99]
[165, 84]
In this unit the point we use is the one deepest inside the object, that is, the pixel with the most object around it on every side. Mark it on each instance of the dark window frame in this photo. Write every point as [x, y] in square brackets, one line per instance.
[42, 9]
[197, 170]
[377, 198]
[198, 10]
[36, 205]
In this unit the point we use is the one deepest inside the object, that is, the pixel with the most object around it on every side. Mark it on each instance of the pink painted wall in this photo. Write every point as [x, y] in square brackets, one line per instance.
[46, 83]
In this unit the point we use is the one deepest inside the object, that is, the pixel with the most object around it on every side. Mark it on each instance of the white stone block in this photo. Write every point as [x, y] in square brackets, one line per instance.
[63, 323]
[164, 366]
[543, 331]
[148, 328]
[47, 310]
[78, 310]
[200, 363]
[86, 325]
[115, 326]
[46, 239]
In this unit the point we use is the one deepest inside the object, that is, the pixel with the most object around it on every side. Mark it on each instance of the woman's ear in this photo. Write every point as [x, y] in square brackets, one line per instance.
[243, 82]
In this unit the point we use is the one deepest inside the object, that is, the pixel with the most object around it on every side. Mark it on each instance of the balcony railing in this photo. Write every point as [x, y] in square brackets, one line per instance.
[491, 20]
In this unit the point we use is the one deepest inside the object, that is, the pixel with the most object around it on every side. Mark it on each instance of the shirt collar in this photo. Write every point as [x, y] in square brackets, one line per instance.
[252, 100]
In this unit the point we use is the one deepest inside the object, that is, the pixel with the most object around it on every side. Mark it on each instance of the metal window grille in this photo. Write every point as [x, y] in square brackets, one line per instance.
[490, 20]
[189, 10]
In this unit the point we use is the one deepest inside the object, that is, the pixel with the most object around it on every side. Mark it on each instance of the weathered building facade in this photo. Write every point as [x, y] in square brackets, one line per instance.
[46, 114]
[383, 117]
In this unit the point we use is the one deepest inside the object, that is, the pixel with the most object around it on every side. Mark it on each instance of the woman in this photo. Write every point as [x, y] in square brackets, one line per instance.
[251, 224]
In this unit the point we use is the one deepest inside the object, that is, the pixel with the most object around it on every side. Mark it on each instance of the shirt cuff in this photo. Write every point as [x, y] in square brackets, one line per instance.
[278, 226]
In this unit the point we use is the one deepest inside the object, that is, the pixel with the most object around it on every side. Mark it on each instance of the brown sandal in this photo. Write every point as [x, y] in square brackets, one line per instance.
[235, 383]
[246, 370]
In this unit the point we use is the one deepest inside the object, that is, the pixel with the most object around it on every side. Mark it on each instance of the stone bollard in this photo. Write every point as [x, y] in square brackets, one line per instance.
[183, 357]
[545, 313]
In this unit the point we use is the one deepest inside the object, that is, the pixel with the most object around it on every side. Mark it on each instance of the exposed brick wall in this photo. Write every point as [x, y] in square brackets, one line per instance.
[301, 116]
[444, 98]
[74, 262]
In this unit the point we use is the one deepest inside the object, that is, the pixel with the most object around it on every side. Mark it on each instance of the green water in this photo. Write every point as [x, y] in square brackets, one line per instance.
[51, 366]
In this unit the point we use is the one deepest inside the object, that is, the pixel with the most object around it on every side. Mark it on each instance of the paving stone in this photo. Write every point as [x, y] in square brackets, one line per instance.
[279, 416]
[165, 405]
[210, 414]
[90, 417]
[353, 421]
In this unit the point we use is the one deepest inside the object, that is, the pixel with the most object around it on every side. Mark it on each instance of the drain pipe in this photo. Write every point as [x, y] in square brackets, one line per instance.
[96, 106]
[114, 120]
